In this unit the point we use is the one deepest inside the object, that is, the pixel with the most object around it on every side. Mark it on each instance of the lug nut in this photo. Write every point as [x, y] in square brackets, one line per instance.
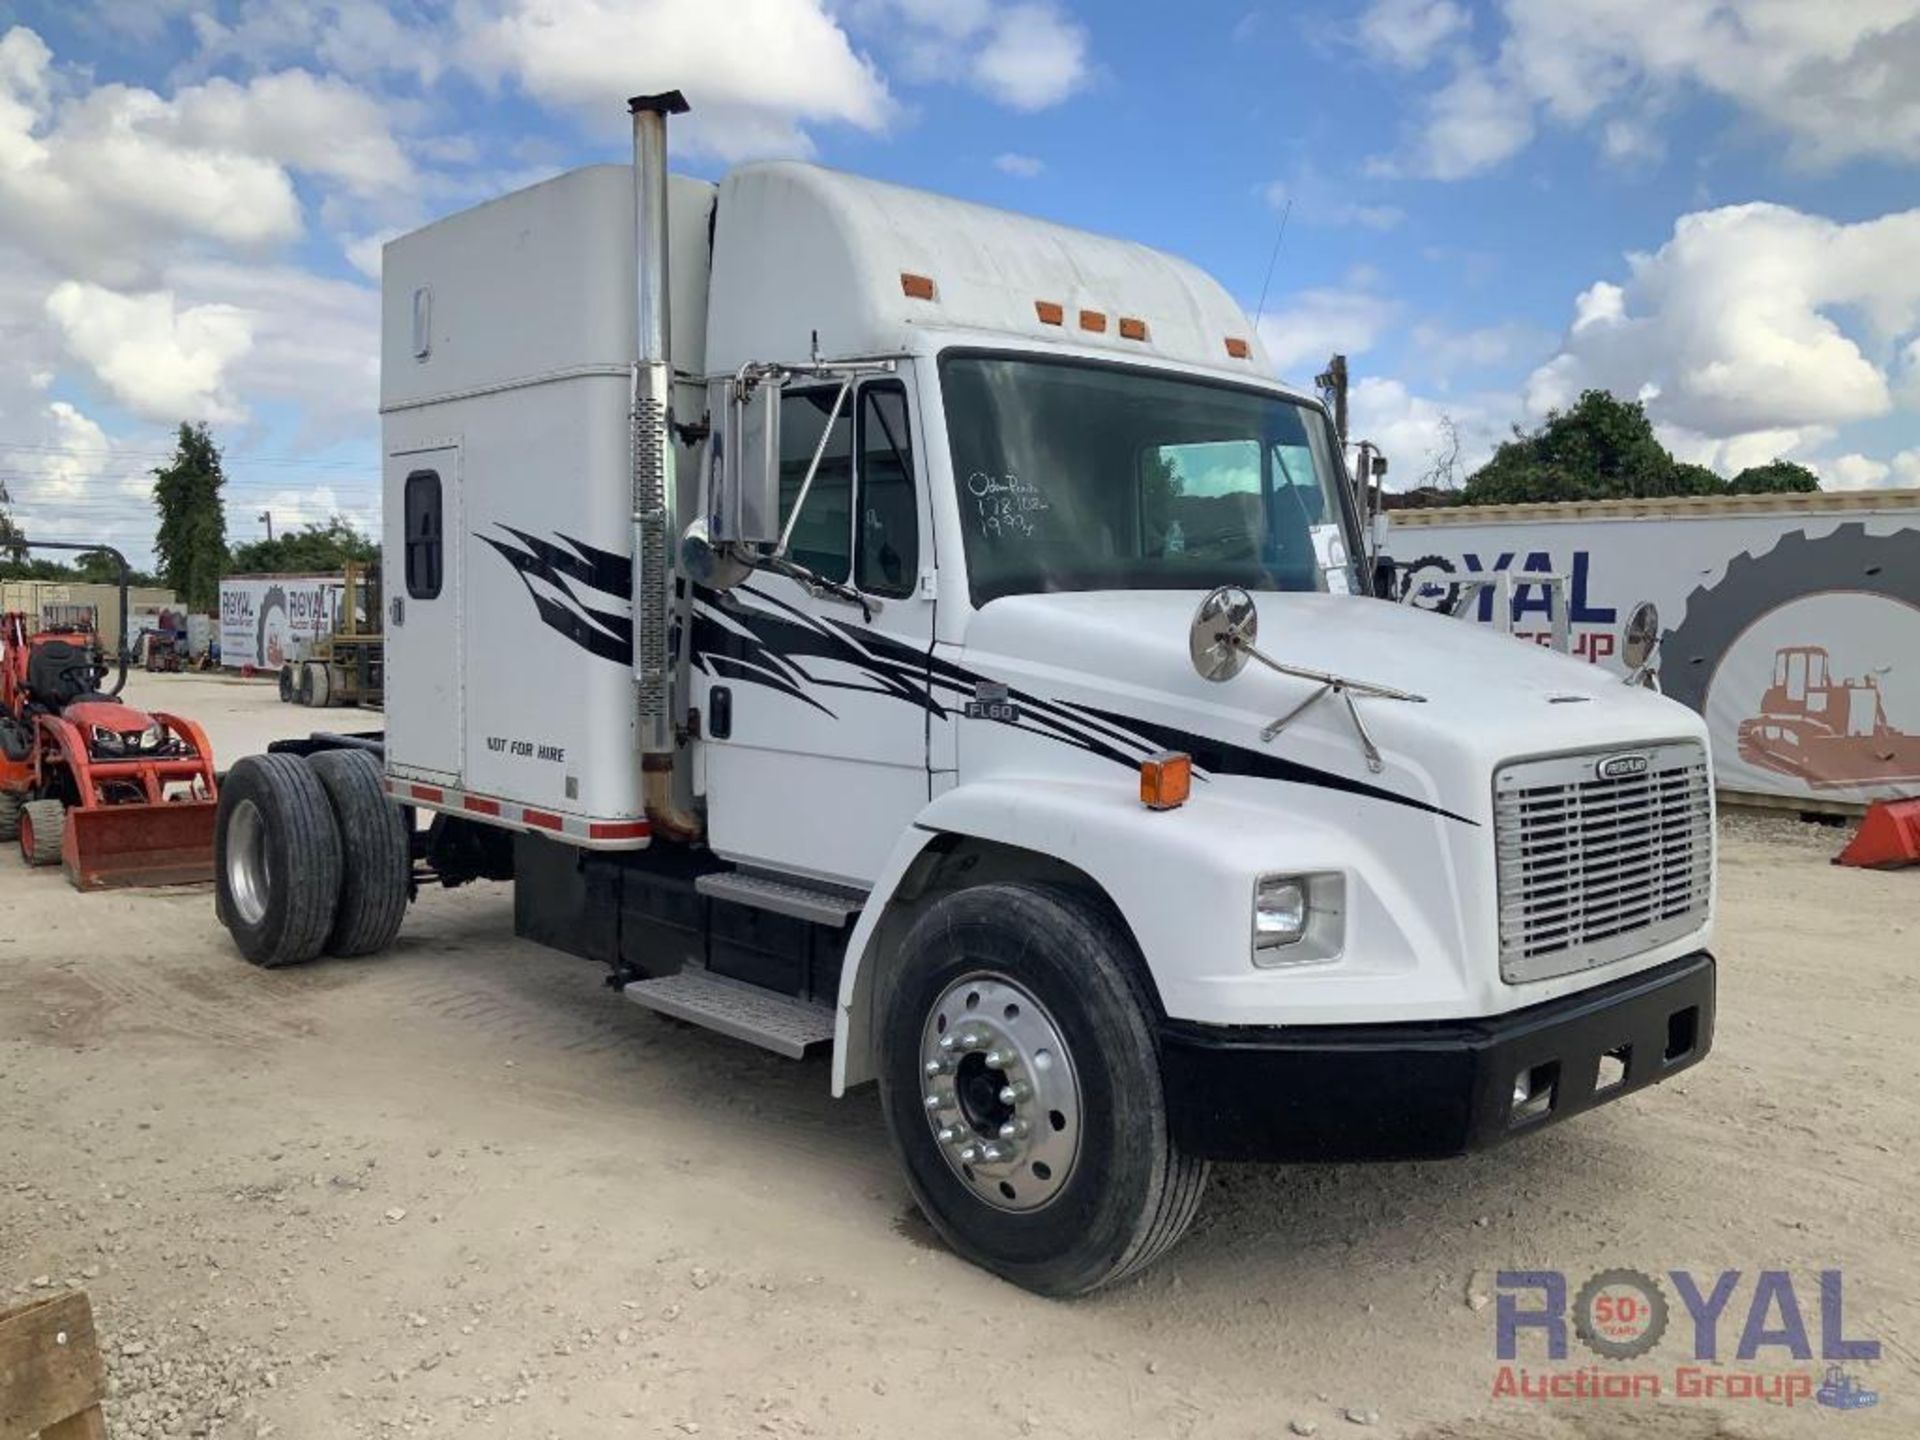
[1013, 1130]
[970, 1154]
[999, 1059]
[934, 1102]
[947, 1042]
[936, 1067]
[991, 1153]
[950, 1133]
[1016, 1092]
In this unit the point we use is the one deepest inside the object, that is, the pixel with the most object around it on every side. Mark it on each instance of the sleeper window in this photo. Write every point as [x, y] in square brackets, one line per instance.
[887, 547]
[422, 511]
[823, 540]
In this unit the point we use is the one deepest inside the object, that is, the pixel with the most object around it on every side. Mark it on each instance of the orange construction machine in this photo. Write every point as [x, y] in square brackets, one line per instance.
[119, 796]
[1825, 730]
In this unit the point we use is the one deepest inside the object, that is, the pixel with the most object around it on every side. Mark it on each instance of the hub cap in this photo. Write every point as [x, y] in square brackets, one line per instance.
[1000, 1092]
[248, 878]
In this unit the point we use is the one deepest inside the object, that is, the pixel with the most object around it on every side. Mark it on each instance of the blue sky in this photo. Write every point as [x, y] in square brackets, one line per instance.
[1704, 203]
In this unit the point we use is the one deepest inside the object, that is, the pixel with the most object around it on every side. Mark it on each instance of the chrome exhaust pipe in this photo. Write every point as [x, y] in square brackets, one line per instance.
[651, 458]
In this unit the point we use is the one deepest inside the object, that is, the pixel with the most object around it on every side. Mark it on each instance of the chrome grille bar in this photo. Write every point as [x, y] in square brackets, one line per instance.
[1593, 869]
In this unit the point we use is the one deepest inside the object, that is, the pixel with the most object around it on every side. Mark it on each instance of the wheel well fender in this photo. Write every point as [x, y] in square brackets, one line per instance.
[1008, 830]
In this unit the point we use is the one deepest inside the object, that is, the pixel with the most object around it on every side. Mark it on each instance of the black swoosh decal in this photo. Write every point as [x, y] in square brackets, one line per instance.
[1221, 758]
[766, 644]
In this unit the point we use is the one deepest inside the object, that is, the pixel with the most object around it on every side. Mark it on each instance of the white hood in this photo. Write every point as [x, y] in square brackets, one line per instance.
[1488, 697]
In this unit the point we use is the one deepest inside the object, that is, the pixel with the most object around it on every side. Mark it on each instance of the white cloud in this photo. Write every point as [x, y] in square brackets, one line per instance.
[161, 360]
[1476, 121]
[1906, 469]
[322, 126]
[1412, 429]
[758, 72]
[105, 184]
[1315, 323]
[350, 37]
[1852, 472]
[1732, 330]
[1034, 56]
[315, 342]
[1833, 79]
[1411, 33]
[1023, 167]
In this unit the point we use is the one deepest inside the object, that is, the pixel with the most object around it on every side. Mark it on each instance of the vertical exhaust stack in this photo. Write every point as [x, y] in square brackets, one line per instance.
[652, 466]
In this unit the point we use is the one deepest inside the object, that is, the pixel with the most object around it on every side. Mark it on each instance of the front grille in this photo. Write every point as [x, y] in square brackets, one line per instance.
[1594, 869]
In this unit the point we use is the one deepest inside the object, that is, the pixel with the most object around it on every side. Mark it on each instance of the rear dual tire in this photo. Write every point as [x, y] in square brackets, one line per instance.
[285, 885]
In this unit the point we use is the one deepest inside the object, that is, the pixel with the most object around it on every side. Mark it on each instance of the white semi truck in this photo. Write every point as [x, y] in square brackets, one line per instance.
[876, 623]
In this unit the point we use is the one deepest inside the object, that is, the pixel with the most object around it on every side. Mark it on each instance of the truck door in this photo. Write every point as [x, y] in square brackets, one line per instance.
[816, 708]
[424, 703]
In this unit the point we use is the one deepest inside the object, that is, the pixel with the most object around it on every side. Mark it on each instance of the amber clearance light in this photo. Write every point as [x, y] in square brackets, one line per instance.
[1166, 780]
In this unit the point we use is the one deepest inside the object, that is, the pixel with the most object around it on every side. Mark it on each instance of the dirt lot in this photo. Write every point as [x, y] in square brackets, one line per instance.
[464, 1187]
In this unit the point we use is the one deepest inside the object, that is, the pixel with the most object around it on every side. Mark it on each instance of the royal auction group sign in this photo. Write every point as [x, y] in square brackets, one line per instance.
[1792, 623]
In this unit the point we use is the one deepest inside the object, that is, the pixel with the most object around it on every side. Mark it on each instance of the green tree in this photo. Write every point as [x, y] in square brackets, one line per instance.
[313, 547]
[1601, 448]
[1777, 477]
[13, 540]
[192, 541]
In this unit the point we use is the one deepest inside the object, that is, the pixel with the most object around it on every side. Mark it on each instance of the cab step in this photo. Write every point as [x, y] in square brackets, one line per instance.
[783, 1024]
[803, 899]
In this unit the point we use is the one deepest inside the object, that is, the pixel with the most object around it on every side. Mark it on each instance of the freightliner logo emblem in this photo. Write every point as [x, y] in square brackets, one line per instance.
[1621, 767]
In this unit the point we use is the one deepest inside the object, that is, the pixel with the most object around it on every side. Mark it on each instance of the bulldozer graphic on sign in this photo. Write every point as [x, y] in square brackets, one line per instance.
[1825, 731]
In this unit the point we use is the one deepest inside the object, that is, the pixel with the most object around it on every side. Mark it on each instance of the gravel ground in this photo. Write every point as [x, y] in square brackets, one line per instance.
[463, 1187]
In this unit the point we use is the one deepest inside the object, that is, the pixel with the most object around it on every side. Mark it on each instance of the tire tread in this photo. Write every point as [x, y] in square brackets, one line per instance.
[377, 857]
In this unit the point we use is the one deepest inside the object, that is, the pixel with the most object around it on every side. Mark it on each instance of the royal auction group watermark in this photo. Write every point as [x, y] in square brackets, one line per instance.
[1770, 1336]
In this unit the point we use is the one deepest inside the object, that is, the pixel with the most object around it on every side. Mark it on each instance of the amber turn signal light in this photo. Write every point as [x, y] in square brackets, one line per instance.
[1166, 780]
[916, 287]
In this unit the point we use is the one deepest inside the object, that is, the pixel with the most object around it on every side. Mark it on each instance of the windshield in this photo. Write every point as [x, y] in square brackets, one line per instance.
[1074, 475]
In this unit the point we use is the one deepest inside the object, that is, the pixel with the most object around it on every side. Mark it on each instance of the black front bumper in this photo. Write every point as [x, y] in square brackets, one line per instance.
[1428, 1089]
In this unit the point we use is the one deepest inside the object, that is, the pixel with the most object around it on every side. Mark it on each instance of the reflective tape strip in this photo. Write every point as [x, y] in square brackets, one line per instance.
[612, 833]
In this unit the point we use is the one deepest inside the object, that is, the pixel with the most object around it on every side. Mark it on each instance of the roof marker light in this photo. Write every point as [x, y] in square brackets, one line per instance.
[1050, 313]
[916, 287]
[1132, 329]
[1238, 348]
[1094, 320]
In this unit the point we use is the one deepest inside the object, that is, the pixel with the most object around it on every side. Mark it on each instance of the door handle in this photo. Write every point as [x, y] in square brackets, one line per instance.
[398, 610]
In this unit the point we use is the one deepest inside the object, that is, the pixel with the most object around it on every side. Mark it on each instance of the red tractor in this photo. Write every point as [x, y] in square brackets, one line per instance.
[119, 795]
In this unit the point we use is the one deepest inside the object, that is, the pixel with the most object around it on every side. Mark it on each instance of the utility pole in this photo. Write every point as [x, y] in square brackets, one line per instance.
[1332, 384]
[266, 517]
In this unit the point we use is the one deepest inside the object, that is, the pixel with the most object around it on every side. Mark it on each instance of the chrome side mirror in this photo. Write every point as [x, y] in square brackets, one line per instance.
[1222, 634]
[744, 500]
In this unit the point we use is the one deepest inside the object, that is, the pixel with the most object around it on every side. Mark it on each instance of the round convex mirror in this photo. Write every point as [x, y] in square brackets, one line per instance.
[1224, 626]
[1642, 634]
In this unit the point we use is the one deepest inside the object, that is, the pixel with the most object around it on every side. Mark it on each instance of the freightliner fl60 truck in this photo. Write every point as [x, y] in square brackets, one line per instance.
[871, 622]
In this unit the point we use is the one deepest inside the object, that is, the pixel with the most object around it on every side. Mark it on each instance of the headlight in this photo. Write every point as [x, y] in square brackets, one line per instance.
[1279, 912]
[153, 737]
[108, 742]
[1299, 919]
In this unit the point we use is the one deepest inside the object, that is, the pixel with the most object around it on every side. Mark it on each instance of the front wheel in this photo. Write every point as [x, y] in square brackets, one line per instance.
[43, 825]
[1020, 1078]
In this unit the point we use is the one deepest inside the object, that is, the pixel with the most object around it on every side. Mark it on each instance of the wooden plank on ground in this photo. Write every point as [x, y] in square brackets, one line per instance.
[50, 1367]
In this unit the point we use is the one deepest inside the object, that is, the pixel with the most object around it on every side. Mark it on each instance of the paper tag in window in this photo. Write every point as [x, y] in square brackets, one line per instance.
[1330, 554]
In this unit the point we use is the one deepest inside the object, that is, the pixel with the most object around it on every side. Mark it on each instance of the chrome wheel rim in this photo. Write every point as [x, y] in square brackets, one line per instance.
[248, 876]
[1000, 1092]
